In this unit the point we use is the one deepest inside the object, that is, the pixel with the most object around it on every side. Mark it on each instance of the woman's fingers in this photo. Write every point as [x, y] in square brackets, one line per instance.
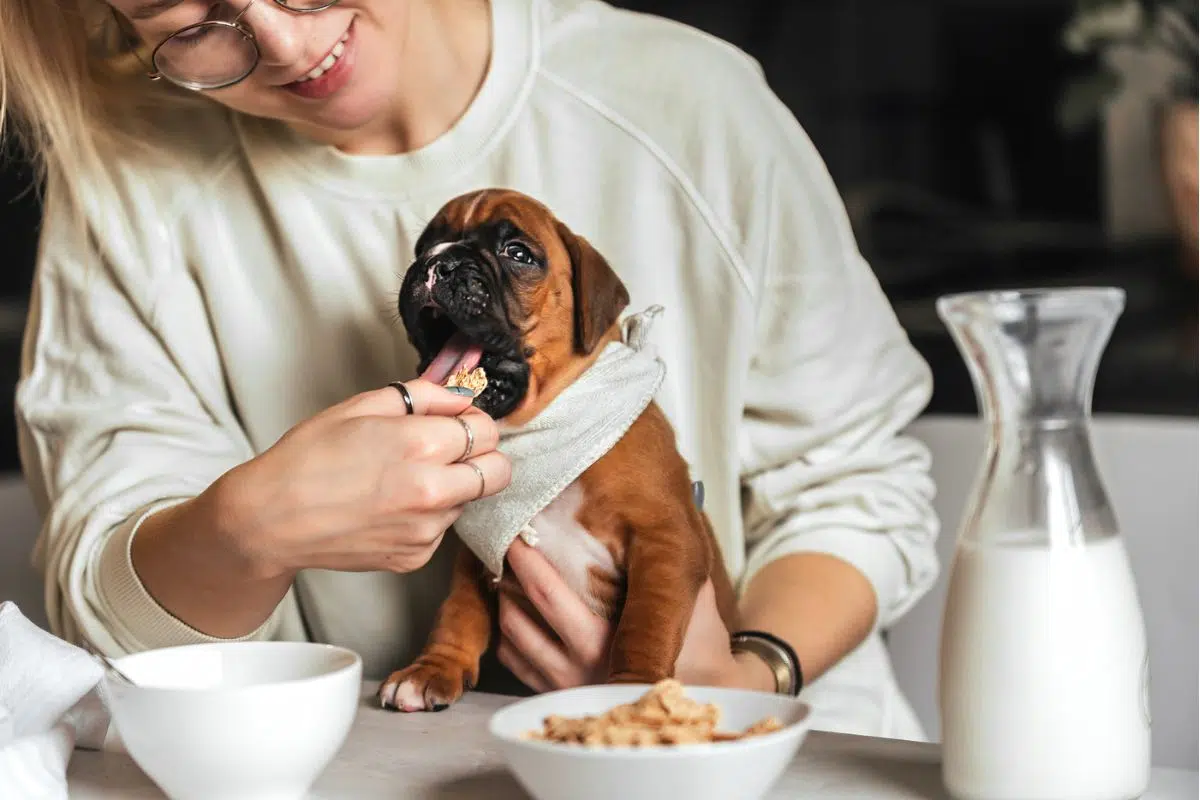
[459, 483]
[444, 440]
[520, 667]
[535, 645]
[584, 633]
[387, 401]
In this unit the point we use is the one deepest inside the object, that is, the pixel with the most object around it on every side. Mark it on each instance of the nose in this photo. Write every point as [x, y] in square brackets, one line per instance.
[446, 258]
[444, 265]
[281, 35]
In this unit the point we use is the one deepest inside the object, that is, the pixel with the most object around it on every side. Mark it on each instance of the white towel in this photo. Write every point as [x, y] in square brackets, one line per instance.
[554, 448]
[51, 701]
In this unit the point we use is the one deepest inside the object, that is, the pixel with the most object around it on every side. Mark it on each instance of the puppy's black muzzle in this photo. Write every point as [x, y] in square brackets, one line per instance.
[461, 289]
[458, 290]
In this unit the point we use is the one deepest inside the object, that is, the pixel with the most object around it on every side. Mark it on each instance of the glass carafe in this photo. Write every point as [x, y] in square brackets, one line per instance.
[1044, 669]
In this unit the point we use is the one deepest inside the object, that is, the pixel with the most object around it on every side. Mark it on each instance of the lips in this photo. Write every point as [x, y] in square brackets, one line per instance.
[327, 63]
[330, 73]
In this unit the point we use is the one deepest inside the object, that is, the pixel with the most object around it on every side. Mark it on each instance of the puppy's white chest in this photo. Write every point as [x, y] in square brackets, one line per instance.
[569, 546]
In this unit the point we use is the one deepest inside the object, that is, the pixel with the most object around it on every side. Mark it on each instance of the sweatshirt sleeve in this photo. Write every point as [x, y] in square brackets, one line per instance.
[121, 410]
[833, 381]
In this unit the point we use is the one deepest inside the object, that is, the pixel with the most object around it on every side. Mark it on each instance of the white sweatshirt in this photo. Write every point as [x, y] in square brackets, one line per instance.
[250, 282]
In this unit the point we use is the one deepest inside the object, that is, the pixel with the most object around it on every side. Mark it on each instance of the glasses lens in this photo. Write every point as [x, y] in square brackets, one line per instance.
[207, 56]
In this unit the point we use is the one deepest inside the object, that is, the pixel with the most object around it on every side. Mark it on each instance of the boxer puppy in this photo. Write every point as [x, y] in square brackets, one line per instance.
[499, 282]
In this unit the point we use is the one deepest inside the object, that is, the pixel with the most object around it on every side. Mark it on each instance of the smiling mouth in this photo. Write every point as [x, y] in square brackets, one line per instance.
[327, 63]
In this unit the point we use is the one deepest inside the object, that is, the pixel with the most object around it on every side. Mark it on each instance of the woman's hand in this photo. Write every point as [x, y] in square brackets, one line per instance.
[363, 485]
[569, 645]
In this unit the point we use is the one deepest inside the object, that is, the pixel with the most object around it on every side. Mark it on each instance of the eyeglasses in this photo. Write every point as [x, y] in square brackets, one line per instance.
[215, 53]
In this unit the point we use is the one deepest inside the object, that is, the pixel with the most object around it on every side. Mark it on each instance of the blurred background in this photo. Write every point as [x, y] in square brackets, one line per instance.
[977, 144]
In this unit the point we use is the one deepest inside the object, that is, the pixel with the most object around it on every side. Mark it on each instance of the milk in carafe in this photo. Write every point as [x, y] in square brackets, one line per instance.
[1044, 668]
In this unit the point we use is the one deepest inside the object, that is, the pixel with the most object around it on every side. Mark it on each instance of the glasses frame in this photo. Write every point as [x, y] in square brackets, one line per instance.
[155, 74]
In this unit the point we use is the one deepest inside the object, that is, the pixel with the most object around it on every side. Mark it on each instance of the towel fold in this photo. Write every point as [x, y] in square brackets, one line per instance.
[51, 701]
[553, 449]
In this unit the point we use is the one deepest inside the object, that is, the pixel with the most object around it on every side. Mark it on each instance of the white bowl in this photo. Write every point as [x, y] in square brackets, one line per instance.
[745, 769]
[236, 720]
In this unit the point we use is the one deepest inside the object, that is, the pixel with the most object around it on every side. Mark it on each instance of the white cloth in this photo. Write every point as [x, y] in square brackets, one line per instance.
[558, 445]
[244, 283]
[51, 701]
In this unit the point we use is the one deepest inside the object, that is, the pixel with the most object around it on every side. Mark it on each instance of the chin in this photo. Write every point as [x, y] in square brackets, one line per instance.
[358, 106]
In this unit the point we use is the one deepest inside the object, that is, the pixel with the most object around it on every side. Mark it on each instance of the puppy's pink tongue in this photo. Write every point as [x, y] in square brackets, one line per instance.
[458, 353]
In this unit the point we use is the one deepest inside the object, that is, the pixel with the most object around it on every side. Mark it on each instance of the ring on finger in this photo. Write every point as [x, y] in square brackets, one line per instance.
[408, 401]
[470, 439]
[482, 480]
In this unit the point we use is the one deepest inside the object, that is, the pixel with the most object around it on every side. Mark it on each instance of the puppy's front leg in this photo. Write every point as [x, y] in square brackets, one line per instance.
[665, 571]
[449, 663]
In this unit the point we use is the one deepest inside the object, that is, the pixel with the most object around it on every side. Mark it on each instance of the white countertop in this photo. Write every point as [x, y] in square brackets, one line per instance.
[449, 756]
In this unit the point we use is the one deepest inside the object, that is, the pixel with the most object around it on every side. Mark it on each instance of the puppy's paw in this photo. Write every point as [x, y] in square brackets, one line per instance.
[427, 685]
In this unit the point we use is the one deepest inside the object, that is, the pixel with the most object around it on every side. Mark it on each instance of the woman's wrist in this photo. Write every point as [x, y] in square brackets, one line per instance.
[234, 510]
[194, 561]
[752, 672]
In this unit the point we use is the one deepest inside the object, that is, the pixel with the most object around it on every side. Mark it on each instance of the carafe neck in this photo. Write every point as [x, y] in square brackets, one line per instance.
[1033, 355]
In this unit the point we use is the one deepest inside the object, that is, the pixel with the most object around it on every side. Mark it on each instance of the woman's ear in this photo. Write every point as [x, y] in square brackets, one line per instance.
[599, 294]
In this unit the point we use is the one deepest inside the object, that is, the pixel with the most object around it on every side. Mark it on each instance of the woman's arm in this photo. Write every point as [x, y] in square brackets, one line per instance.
[839, 519]
[122, 412]
[223, 560]
[161, 524]
[187, 558]
[818, 603]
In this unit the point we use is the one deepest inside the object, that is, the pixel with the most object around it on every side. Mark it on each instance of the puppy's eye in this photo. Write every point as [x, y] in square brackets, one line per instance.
[519, 252]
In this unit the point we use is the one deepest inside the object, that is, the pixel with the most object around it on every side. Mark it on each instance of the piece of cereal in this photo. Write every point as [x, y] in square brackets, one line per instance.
[475, 380]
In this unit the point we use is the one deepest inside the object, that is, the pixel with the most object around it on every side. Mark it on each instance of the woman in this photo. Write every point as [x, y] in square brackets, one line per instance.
[218, 263]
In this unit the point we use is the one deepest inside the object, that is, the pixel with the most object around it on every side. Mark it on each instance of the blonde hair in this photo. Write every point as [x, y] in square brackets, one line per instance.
[72, 89]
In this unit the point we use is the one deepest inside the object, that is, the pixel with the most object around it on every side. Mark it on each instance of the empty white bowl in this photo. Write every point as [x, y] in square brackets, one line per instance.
[236, 720]
[745, 769]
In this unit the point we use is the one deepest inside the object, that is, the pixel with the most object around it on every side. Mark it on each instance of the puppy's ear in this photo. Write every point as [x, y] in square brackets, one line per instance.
[600, 296]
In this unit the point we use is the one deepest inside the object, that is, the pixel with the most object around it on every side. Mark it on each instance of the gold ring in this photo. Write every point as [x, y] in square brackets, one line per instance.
[470, 439]
[482, 480]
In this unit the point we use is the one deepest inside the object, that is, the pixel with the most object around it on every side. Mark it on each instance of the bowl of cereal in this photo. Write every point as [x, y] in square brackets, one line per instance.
[642, 742]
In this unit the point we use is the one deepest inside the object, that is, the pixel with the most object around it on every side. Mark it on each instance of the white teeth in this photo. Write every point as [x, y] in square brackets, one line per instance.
[330, 60]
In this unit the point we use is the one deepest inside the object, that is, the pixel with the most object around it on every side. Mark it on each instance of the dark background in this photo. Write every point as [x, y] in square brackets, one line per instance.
[936, 119]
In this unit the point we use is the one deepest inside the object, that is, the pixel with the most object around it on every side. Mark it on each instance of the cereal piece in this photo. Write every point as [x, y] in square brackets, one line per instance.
[768, 725]
[622, 715]
[682, 734]
[644, 737]
[475, 380]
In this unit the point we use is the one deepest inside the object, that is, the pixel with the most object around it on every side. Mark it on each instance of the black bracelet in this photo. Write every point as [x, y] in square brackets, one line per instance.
[772, 649]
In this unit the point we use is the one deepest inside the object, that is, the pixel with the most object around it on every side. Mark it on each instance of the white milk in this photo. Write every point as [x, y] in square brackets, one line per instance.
[1044, 671]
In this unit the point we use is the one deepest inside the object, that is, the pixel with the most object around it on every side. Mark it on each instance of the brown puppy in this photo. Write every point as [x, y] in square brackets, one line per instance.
[499, 281]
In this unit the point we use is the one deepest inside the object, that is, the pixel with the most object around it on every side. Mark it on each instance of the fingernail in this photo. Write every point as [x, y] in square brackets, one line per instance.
[461, 391]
